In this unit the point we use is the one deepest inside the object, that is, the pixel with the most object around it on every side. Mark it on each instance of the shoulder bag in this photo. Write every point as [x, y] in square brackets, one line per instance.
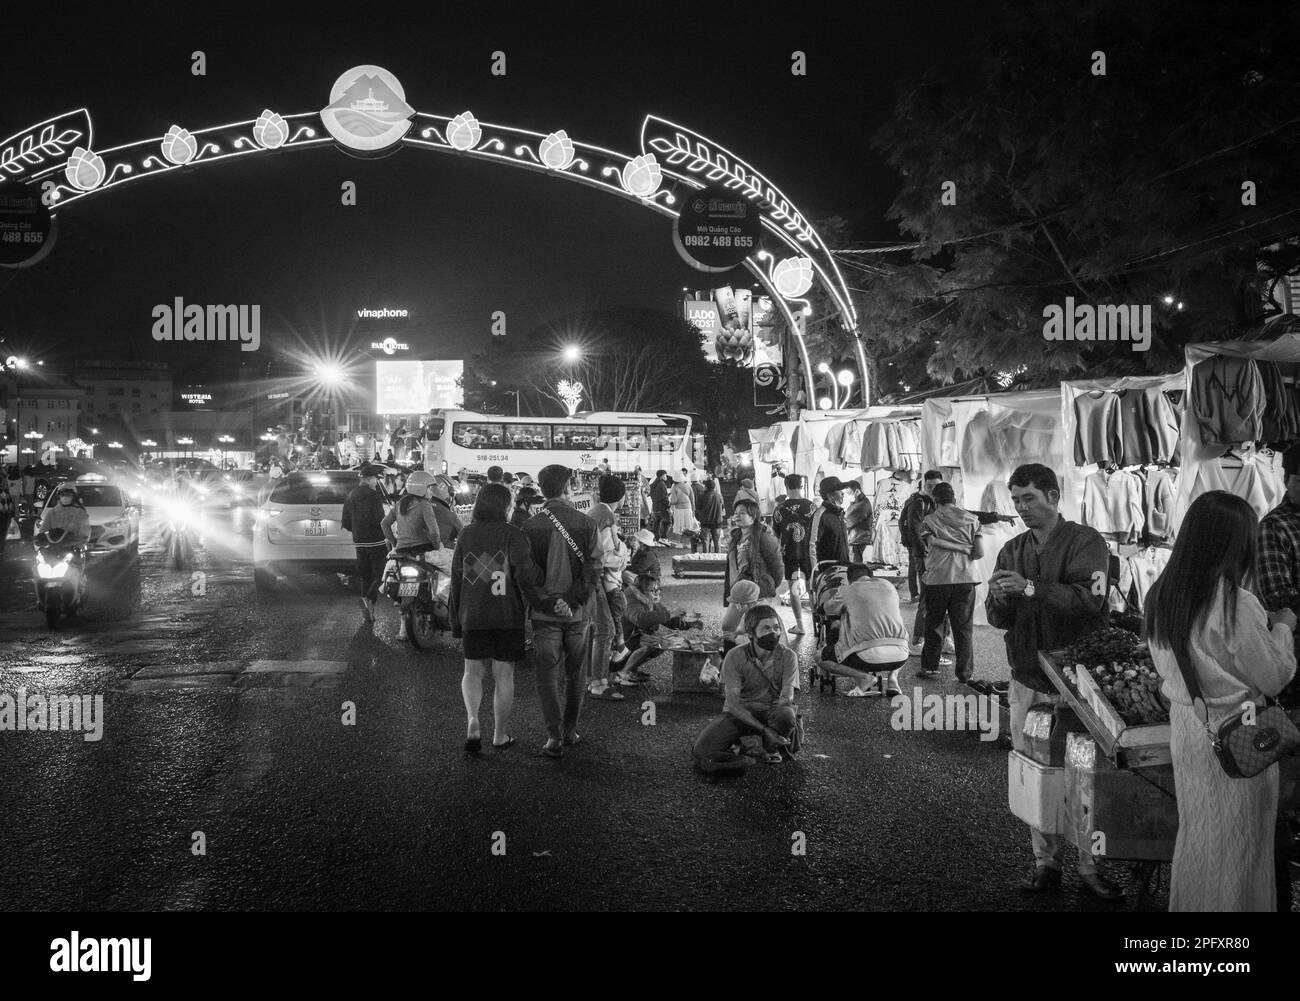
[1243, 749]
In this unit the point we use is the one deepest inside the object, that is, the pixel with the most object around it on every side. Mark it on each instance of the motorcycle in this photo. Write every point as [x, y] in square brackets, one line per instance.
[421, 591]
[180, 531]
[60, 575]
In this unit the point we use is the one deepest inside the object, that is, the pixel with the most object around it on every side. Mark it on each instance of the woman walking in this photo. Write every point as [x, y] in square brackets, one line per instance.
[753, 554]
[682, 502]
[492, 571]
[1202, 619]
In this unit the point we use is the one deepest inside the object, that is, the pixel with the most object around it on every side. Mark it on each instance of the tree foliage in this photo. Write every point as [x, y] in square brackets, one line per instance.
[1113, 189]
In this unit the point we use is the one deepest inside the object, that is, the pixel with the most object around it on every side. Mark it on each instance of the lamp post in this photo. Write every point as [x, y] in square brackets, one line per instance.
[225, 440]
[846, 378]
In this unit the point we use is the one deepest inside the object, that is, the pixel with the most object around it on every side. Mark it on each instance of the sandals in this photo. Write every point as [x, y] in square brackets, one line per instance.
[773, 758]
[610, 694]
[510, 742]
[572, 740]
[473, 745]
[551, 751]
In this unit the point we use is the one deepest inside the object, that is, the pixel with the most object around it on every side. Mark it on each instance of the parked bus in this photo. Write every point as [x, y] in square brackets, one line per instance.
[461, 439]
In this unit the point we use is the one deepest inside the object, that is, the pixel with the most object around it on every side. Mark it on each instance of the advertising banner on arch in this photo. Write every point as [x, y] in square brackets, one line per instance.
[416, 387]
[737, 326]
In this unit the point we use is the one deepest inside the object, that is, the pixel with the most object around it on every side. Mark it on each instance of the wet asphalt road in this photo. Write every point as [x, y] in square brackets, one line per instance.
[223, 715]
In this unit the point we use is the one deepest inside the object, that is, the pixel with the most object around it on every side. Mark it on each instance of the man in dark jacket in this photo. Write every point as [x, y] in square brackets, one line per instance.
[660, 509]
[363, 515]
[829, 539]
[566, 547]
[1049, 589]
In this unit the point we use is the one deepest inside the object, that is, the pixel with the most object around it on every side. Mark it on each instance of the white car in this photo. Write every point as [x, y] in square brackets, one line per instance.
[114, 515]
[299, 526]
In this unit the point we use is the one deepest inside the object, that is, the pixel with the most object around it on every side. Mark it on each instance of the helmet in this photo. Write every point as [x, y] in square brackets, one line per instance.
[443, 487]
[419, 482]
[66, 488]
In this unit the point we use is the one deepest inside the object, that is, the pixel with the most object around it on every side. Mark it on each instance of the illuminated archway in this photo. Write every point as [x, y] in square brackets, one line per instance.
[59, 157]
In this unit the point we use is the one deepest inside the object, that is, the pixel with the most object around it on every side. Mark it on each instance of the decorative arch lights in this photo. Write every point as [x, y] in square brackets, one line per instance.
[368, 113]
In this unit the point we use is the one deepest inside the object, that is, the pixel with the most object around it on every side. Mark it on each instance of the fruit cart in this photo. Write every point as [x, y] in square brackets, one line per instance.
[1105, 780]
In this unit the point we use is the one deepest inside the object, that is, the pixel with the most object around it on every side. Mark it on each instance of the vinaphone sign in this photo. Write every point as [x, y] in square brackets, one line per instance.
[368, 115]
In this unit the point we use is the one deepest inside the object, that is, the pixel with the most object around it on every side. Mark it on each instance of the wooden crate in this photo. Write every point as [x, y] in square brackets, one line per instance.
[1137, 814]
[700, 565]
[1143, 745]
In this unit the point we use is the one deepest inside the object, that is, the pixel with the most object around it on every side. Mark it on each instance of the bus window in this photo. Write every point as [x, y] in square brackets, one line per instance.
[613, 436]
[473, 435]
[527, 436]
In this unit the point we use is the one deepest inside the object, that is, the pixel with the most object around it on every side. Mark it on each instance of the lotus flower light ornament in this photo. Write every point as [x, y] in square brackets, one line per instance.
[556, 150]
[642, 176]
[464, 132]
[178, 146]
[270, 130]
[793, 277]
[85, 169]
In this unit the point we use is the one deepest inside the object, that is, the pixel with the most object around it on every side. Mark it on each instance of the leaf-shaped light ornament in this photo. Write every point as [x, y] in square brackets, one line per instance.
[85, 169]
[178, 146]
[463, 131]
[556, 150]
[642, 176]
[270, 130]
[735, 345]
[793, 277]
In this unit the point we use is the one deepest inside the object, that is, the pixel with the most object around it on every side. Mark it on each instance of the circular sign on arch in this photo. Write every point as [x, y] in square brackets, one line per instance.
[26, 227]
[717, 229]
[367, 110]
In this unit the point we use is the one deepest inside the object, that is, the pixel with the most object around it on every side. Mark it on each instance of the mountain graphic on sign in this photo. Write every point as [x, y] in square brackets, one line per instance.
[365, 94]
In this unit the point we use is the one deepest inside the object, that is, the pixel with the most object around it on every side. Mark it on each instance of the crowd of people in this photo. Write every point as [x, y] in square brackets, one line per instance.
[530, 570]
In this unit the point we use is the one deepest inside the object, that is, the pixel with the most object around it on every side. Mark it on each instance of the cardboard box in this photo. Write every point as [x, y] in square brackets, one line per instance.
[1036, 793]
[700, 565]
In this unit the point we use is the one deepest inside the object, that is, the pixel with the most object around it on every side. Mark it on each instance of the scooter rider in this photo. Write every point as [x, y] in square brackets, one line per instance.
[69, 514]
[442, 495]
[411, 527]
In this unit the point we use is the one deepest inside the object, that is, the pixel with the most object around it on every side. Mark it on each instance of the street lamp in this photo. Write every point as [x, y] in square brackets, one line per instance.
[846, 379]
[572, 353]
[225, 440]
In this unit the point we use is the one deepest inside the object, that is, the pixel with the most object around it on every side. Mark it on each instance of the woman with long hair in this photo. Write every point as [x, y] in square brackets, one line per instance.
[493, 577]
[1200, 614]
[753, 554]
[411, 527]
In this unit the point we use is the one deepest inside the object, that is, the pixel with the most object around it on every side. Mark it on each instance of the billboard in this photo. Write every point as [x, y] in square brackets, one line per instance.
[416, 387]
[737, 326]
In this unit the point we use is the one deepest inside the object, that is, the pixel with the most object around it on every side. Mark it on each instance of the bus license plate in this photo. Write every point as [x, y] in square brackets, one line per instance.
[408, 589]
[314, 528]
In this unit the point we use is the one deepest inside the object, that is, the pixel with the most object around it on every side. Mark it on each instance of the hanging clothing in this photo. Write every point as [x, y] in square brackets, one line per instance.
[1227, 400]
[892, 446]
[949, 443]
[850, 453]
[1138, 572]
[1252, 477]
[1097, 431]
[1112, 504]
[909, 446]
[835, 440]
[875, 449]
[1158, 493]
[891, 492]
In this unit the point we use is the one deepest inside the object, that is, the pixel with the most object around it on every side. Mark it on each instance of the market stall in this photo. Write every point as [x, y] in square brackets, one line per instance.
[977, 442]
[1242, 411]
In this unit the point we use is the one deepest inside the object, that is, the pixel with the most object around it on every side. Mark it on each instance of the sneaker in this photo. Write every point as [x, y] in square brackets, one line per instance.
[945, 662]
[625, 681]
[863, 693]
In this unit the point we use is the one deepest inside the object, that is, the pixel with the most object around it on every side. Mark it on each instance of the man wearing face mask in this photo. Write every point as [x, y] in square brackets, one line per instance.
[759, 679]
[829, 538]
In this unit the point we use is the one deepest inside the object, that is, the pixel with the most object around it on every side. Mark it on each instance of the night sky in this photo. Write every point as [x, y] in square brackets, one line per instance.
[448, 238]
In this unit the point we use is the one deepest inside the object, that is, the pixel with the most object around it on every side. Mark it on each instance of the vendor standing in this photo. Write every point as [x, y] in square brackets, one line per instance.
[1048, 590]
